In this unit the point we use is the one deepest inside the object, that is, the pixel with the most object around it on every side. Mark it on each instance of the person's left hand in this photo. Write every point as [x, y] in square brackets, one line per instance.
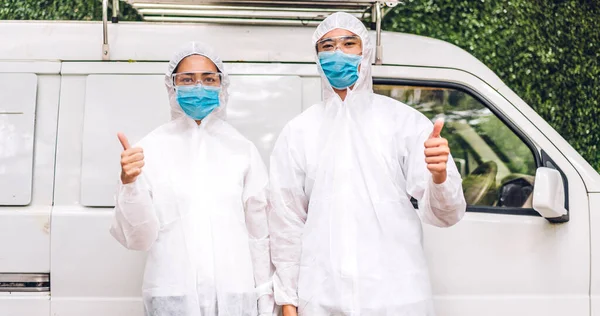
[436, 153]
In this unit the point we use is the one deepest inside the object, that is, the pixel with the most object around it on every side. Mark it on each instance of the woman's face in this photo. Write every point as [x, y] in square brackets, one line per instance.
[196, 63]
[196, 69]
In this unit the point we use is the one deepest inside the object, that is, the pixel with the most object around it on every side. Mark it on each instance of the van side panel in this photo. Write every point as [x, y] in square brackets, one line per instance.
[25, 230]
[595, 240]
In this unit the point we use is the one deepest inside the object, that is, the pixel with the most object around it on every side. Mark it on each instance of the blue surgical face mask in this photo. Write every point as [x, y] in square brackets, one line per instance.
[197, 101]
[341, 69]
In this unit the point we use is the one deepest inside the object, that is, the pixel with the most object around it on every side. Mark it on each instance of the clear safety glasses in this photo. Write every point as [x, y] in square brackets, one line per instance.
[207, 79]
[347, 44]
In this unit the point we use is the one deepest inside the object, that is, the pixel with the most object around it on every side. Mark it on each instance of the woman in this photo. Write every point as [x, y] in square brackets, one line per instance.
[193, 194]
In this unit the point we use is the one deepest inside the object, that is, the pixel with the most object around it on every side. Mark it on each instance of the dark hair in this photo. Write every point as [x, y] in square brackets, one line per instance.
[177, 67]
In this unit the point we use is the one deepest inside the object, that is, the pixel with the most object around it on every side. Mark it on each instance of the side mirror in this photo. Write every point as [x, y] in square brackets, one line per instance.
[549, 193]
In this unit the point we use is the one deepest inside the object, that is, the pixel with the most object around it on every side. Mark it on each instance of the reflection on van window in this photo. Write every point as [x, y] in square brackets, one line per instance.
[497, 167]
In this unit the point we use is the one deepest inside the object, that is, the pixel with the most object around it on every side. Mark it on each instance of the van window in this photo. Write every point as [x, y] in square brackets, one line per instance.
[17, 116]
[497, 167]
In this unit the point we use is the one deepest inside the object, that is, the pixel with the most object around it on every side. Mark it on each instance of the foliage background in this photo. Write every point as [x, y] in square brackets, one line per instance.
[81, 10]
[547, 51]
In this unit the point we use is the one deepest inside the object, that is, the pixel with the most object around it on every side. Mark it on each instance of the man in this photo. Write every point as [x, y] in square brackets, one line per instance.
[193, 194]
[345, 238]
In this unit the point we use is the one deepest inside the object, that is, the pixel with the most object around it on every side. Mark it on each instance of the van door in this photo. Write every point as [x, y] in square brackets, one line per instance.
[502, 258]
[28, 113]
[92, 274]
[595, 281]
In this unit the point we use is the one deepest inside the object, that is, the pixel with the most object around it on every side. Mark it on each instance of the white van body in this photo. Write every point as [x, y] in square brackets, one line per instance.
[61, 107]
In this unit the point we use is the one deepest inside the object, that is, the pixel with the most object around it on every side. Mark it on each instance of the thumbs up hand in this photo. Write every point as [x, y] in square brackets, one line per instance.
[132, 160]
[436, 153]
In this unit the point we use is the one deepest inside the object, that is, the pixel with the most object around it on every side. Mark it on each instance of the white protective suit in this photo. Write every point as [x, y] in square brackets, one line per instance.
[345, 238]
[200, 210]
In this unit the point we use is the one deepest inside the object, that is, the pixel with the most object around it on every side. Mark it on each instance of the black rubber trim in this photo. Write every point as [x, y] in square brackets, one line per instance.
[487, 103]
[504, 210]
[495, 210]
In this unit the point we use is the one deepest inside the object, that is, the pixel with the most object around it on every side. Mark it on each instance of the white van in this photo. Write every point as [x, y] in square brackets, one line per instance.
[528, 245]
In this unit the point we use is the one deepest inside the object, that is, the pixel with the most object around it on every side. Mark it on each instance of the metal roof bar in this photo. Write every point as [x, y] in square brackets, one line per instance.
[259, 8]
[249, 12]
[238, 14]
[378, 47]
[141, 6]
[317, 3]
[115, 11]
[105, 46]
[272, 22]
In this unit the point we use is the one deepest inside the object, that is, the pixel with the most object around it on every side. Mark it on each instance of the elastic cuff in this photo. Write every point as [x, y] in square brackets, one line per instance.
[293, 302]
[130, 192]
[129, 188]
[441, 191]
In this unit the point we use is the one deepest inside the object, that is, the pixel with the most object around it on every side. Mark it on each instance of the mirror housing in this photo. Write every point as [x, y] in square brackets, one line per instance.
[549, 193]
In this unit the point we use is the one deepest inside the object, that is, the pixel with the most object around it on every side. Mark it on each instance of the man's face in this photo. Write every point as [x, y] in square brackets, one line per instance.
[341, 39]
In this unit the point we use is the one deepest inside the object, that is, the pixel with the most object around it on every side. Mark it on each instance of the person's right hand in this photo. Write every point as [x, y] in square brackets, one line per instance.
[132, 161]
[290, 310]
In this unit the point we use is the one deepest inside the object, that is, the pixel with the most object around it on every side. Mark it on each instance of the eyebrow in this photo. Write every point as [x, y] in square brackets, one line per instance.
[341, 36]
[200, 72]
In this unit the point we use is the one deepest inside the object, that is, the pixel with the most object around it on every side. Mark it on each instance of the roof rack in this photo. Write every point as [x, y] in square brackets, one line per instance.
[250, 12]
